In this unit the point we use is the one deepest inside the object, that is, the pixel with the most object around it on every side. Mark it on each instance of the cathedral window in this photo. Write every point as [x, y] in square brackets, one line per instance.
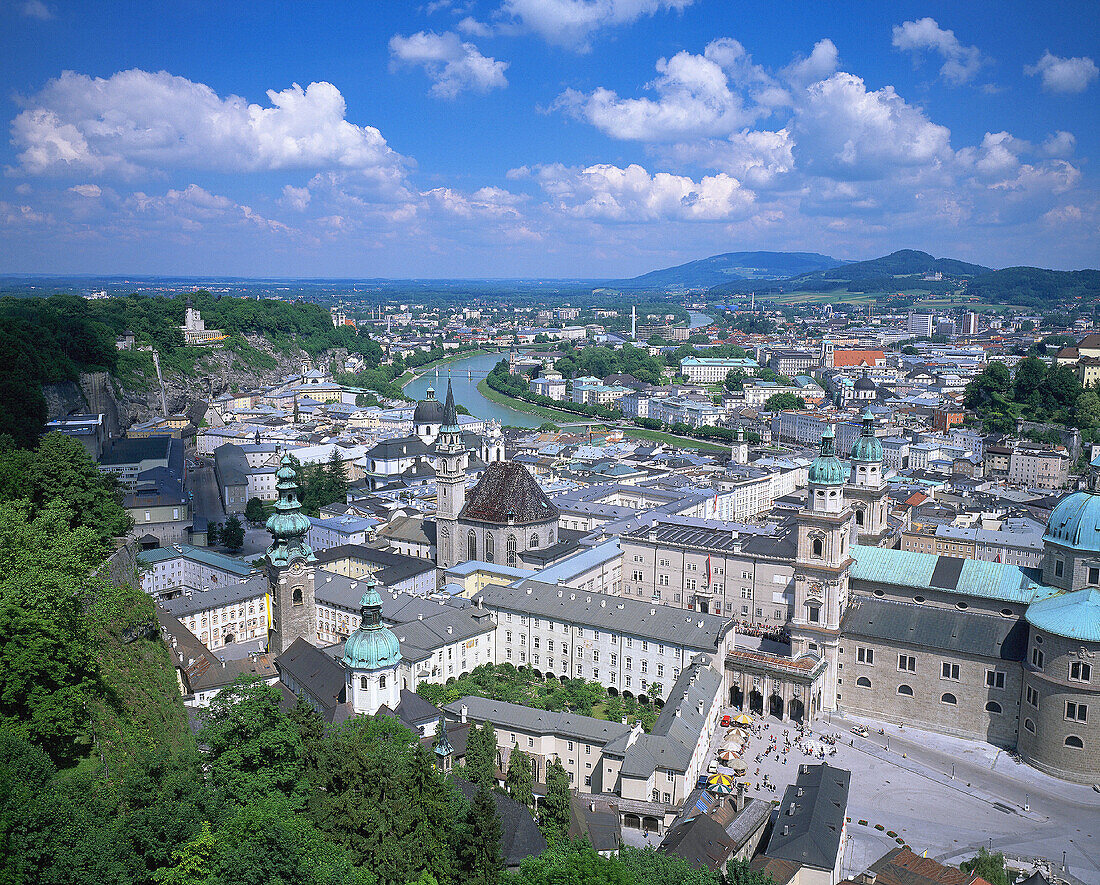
[859, 517]
[489, 548]
[297, 599]
[471, 546]
[381, 681]
[363, 682]
[511, 550]
[534, 541]
[818, 548]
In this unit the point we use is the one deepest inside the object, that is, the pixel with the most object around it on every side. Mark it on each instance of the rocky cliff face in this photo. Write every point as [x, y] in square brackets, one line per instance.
[217, 371]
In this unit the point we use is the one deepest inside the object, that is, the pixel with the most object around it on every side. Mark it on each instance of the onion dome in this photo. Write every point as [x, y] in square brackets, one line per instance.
[867, 447]
[428, 410]
[288, 525]
[372, 646]
[827, 469]
[1075, 522]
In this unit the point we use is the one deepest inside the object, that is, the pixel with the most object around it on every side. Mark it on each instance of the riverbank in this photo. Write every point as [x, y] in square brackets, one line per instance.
[639, 433]
[518, 405]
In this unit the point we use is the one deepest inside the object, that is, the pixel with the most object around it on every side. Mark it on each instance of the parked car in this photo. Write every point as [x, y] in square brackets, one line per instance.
[701, 783]
[727, 721]
[860, 731]
[713, 767]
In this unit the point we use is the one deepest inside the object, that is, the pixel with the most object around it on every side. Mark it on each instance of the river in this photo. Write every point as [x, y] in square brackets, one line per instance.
[465, 386]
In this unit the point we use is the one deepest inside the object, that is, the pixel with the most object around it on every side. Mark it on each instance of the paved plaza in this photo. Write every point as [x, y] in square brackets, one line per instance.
[902, 779]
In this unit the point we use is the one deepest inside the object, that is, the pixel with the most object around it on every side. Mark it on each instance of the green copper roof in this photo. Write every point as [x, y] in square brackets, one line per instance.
[925, 571]
[288, 525]
[1075, 522]
[1074, 615]
[827, 469]
[867, 447]
[372, 646]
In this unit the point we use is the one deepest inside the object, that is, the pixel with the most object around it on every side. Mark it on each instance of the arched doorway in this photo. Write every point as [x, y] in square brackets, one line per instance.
[632, 822]
[756, 702]
[796, 710]
[612, 691]
[775, 706]
[650, 824]
[229, 637]
[737, 697]
[628, 694]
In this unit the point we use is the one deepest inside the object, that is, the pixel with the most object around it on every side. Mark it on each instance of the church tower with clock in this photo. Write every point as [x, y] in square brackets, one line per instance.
[290, 567]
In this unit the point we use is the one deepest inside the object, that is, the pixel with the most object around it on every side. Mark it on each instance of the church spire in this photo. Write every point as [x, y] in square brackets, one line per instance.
[288, 525]
[450, 412]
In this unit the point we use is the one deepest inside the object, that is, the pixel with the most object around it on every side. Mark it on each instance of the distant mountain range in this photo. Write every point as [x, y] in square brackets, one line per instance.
[729, 266]
[774, 273]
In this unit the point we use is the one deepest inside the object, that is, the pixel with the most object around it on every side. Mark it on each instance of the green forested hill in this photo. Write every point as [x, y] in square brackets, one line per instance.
[728, 266]
[905, 262]
[1036, 287]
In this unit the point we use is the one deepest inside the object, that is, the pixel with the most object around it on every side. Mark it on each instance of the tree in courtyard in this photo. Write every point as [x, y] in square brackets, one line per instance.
[740, 872]
[555, 808]
[990, 867]
[213, 534]
[479, 842]
[232, 533]
[254, 511]
[520, 780]
[658, 868]
[781, 402]
[481, 753]
[654, 691]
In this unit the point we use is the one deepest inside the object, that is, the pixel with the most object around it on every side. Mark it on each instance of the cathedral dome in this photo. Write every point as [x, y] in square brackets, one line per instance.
[863, 382]
[1073, 615]
[428, 410]
[827, 469]
[1075, 522]
[372, 646]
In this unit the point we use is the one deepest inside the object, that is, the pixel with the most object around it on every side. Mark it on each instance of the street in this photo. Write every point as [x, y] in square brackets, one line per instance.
[207, 502]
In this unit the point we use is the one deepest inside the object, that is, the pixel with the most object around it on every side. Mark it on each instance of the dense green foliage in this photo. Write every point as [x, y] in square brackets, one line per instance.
[779, 402]
[1036, 287]
[321, 484]
[1036, 391]
[599, 362]
[990, 867]
[502, 381]
[555, 806]
[504, 682]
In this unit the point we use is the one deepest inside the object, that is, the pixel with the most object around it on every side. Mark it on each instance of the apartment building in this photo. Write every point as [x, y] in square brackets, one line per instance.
[221, 615]
[1042, 468]
[168, 571]
[635, 648]
[711, 569]
[713, 370]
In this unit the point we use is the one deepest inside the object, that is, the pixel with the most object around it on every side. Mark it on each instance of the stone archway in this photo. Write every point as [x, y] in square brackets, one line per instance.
[651, 825]
[796, 710]
[775, 706]
[632, 822]
[737, 697]
[756, 702]
[612, 691]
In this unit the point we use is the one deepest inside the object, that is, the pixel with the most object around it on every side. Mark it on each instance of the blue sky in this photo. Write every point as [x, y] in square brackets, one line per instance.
[553, 138]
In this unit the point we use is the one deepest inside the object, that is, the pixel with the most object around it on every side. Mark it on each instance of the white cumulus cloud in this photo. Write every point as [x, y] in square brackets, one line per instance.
[571, 23]
[453, 65]
[1066, 75]
[37, 9]
[960, 63]
[631, 194]
[137, 121]
[296, 198]
[86, 190]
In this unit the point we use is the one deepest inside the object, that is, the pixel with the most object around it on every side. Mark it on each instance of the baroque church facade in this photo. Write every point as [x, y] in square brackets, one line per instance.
[975, 649]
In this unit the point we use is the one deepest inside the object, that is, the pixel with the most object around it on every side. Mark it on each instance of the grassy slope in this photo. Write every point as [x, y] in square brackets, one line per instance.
[530, 408]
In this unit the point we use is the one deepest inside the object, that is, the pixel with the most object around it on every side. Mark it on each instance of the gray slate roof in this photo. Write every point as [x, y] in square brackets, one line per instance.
[252, 587]
[660, 623]
[966, 632]
[505, 716]
[811, 817]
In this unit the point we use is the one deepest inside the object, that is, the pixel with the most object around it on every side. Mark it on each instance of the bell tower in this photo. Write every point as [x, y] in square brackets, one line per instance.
[290, 567]
[821, 569]
[450, 486]
[866, 489]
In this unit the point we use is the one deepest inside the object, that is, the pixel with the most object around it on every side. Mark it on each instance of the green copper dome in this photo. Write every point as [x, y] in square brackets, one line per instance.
[1075, 522]
[372, 646]
[288, 525]
[827, 469]
[867, 447]
[1073, 615]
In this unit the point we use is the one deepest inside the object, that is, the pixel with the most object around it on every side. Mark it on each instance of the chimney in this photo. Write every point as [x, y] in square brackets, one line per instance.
[420, 617]
[450, 629]
[463, 712]
[700, 707]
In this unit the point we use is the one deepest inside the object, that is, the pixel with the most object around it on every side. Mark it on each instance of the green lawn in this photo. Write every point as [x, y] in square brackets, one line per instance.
[530, 408]
[683, 442]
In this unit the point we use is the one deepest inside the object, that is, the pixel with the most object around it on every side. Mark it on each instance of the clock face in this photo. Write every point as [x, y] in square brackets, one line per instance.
[296, 568]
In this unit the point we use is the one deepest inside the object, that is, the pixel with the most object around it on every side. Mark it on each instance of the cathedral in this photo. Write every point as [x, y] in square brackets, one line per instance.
[503, 516]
